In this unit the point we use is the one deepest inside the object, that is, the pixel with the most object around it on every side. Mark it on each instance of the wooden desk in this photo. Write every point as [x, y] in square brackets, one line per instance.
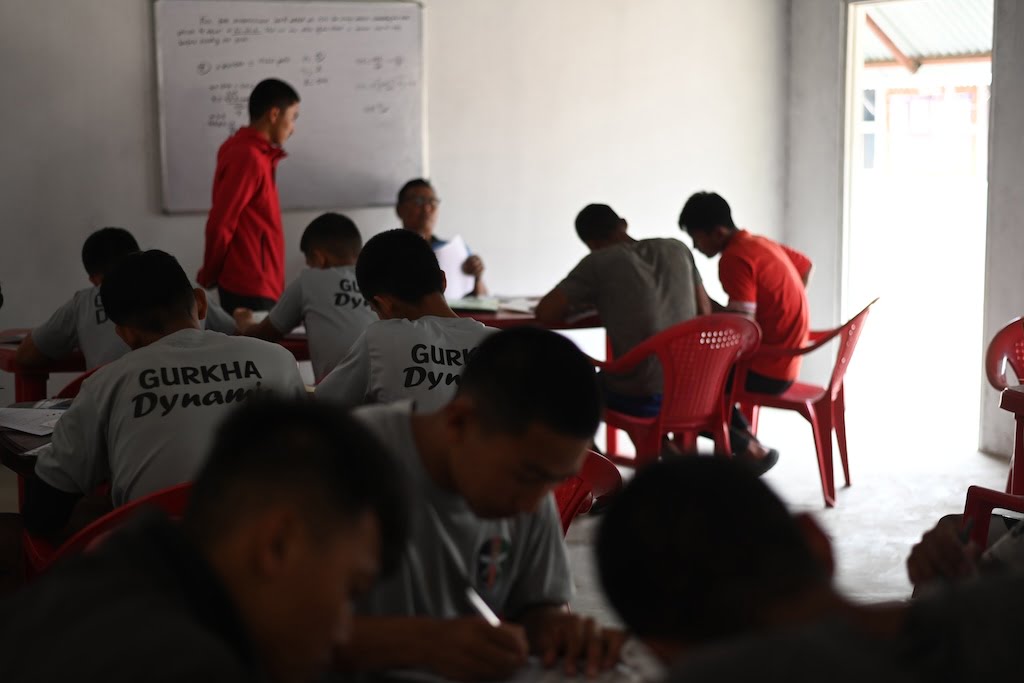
[1012, 400]
[504, 320]
[30, 383]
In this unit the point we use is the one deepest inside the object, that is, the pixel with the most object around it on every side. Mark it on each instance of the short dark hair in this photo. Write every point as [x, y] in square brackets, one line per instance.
[303, 451]
[268, 94]
[704, 211]
[596, 221]
[332, 232]
[147, 290]
[401, 264]
[524, 375]
[412, 185]
[693, 548]
[106, 247]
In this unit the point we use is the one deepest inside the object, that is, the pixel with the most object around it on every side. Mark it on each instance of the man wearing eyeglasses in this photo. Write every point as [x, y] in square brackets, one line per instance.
[417, 208]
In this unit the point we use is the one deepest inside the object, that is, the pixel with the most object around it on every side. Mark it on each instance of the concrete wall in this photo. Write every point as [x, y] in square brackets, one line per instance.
[1004, 274]
[535, 109]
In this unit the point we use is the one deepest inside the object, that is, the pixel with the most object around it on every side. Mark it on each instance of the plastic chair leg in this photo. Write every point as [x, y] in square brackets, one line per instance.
[839, 420]
[611, 440]
[751, 412]
[821, 425]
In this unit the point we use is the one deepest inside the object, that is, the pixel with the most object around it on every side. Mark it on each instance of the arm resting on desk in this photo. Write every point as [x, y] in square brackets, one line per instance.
[46, 510]
[553, 308]
[28, 354]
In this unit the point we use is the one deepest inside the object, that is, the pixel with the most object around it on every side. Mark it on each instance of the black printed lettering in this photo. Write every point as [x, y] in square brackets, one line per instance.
[453, 356]
[190, 400]
[435, 379]
[209, 375]
[414, 376]
[213, 398]
[235, 369]
[168, 403]
[453, 379]
[144, 403]
[190, 375]
[169, 376]
[250, 370]
[419, 354]
[233, 395]
[148, 379]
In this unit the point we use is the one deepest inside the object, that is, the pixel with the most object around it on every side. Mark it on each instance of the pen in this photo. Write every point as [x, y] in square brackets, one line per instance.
[482, 607]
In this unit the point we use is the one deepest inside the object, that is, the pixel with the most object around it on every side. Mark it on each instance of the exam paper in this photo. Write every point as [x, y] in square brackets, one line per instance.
[30, 420]
[451, 257]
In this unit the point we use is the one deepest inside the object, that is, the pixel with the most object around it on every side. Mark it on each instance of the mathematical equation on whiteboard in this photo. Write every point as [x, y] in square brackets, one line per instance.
[297, 53]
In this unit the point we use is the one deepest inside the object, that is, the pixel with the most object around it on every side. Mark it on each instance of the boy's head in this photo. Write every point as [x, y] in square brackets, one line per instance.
[708, 220]
[599, 226]
[274, 107]
[417, 207]
[298, 508]
[148, 296]
[697, 549]
[396, 272]
[104, 249]
[524, 416]
[331, 240]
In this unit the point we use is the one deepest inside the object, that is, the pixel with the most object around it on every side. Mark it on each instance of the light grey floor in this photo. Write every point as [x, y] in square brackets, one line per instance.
[898, 492]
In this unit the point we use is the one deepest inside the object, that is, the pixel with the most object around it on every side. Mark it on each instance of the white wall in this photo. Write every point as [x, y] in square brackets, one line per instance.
[1004, 276]
[535, 109]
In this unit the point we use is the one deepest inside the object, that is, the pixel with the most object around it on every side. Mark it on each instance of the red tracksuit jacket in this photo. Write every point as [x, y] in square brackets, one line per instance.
[244, 235]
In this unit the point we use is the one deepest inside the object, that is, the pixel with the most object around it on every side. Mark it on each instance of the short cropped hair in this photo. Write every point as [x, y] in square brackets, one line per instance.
[332, 232]
[147, 290]
[596, 221]
[308, 453]
[401, 264]
[529, 375]
[694, 548]
[412, 185]
[268, 94]
[704, 211]
[105, 248]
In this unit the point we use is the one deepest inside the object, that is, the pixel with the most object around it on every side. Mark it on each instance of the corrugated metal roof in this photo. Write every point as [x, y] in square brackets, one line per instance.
[930, 28]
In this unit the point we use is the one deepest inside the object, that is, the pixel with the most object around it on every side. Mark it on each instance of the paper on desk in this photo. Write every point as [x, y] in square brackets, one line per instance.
[519, 305]
[451, 257]
[30, 420]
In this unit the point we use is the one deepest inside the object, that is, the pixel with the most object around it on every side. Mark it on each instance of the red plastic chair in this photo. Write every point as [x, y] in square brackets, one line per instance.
[72, 389]
[597, 479]
[823, 407]
[696, 357]
[979, 506]
[1006, 348]
[40, 555]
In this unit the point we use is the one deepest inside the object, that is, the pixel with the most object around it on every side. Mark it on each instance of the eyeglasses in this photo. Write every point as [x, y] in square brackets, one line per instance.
[424, 201]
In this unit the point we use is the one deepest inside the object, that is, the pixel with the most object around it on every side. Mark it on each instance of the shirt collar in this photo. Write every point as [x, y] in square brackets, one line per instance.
[266, 146]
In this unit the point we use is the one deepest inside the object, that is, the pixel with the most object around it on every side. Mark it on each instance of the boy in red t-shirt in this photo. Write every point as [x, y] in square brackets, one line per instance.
[766, 282]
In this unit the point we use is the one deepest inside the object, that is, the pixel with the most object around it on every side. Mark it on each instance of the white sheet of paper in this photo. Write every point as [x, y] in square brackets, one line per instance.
[519, 305]
[451, 257]
[29, 420]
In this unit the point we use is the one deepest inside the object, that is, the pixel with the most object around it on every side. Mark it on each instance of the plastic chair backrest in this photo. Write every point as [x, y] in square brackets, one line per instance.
[849, 335]
[171, 500]
[72, 389]
[597, 478]
[696, 357]
[1006, 348]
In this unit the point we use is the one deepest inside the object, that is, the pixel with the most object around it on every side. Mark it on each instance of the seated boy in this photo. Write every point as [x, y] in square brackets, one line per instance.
[765, 282]
[325, 296]
[707, 567]
[145, 421]
[482, 470]
[82, 322]
[419, 347]
[639, 288]
[417, 209]
[293, 515]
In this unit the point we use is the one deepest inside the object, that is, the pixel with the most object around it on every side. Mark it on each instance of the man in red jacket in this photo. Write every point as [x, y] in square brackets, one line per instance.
[244, 254]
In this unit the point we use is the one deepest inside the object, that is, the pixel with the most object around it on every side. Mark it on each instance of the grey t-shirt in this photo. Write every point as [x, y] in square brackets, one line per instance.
[399, 359]
[334, 312]
[81, 323]
[639, 289]
[971, 633]
[146, 421]
[514, 563]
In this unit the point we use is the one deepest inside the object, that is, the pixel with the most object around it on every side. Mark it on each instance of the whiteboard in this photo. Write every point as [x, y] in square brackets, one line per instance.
[358, 69]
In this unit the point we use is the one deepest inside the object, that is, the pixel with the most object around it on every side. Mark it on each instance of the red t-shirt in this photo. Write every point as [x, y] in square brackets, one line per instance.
[244, 235]
[765, 278]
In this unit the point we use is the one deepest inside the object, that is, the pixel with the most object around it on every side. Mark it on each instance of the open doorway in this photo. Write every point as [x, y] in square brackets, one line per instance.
[917, 187]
